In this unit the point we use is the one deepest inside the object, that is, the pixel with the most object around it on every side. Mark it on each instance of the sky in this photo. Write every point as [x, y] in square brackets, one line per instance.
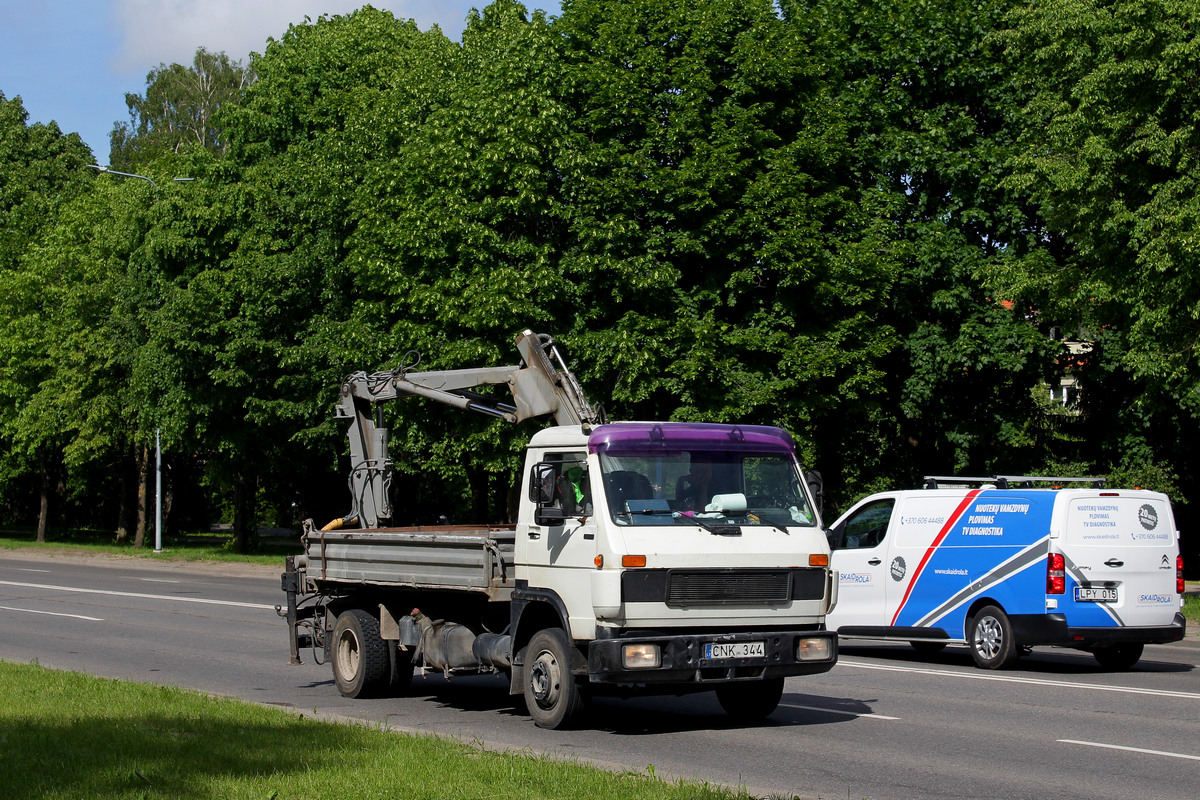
[72, 61]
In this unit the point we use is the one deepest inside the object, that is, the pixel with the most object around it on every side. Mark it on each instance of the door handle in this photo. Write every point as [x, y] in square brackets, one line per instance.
[1113, 562]
[535, 534]
[874, 562]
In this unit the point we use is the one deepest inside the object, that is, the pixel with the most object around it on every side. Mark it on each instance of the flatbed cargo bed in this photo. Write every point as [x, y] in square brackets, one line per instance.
[454, 557]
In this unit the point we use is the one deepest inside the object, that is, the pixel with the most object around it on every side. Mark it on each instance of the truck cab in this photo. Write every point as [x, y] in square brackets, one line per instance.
[681, 554]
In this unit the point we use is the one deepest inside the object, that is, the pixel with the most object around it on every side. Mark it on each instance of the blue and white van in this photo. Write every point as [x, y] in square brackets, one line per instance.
[1003, 567]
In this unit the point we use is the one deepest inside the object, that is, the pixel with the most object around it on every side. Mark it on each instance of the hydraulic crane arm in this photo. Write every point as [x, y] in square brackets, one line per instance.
[540, 385]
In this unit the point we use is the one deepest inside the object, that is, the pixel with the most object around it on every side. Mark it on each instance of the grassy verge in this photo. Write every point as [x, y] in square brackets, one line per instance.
[1191, 610]
[190, 547]
[65, 735]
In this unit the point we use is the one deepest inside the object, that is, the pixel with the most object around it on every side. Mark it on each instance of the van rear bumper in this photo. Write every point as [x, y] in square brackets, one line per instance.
[1052, 629]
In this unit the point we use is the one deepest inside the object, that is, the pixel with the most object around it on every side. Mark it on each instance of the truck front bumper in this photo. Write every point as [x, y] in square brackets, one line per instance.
[682, 658]
[1052, 629]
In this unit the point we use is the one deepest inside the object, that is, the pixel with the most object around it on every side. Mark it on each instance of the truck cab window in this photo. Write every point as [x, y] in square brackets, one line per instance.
[669, 487]
[572, 492]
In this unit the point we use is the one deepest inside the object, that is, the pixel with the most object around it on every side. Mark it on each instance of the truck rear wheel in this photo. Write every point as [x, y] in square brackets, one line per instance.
[552, 694]
[991, 639]
[361, 665]
[1118, 656]
[751, 700]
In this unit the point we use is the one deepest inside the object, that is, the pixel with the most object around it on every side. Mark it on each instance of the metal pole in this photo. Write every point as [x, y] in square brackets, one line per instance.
[158, 492]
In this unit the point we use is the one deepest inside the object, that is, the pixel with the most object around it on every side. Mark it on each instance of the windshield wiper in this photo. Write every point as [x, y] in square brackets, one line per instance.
[764, 521]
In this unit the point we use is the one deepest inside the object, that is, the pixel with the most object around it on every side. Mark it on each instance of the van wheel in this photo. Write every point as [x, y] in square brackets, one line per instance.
[1118, 656]
[361, 666]
[552, 694]
[991, 639]
[750, 701]
[928, 648]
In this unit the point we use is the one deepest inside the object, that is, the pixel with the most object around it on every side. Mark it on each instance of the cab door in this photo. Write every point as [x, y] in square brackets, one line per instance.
[860, 549]
[558, 548]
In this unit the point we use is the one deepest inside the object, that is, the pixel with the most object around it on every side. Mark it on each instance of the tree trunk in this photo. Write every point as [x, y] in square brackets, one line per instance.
[143, 494]
[123, 508]
[44, 508]
[245, 490]
[477, 480]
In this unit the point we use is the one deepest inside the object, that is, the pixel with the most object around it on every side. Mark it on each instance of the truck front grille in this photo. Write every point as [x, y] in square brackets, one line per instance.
[698, 588]
[728, 587]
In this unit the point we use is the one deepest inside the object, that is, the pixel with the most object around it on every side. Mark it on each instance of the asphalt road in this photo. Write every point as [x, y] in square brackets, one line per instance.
[885, 723]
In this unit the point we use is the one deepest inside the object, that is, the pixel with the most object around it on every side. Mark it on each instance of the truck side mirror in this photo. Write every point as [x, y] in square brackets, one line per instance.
[542, 481]
[548, 515]
[816, 485]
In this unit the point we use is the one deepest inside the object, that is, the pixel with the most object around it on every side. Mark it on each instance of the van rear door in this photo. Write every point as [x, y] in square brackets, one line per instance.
[1120, 550]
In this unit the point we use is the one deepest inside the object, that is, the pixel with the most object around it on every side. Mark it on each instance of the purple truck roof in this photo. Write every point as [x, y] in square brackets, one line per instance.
[643, 437]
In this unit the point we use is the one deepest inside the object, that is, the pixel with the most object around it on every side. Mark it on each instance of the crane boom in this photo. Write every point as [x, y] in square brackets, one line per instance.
[541, 385]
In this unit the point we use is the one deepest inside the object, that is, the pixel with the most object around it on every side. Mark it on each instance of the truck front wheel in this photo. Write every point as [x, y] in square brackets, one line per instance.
[361, 664]
[552, 693]
[752, 700]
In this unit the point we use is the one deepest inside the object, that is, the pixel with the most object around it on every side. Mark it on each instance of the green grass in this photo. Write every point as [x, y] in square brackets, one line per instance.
[191, 547]
[64, 735]
[1191, 609]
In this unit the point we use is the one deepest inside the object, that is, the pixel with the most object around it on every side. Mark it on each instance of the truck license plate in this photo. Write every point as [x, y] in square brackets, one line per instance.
[1095, 594]
[735, 650]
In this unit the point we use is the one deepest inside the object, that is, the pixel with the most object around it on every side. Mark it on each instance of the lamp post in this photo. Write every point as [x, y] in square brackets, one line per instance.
[111, 171]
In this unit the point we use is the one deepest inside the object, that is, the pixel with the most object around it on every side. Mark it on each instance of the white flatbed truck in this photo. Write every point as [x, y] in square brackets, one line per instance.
[647, 557]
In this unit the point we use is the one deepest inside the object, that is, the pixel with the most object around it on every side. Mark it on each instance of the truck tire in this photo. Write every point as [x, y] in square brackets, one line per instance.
[750, 701]
[991, 639]
[361, 666]
[1118, 656]
[552, 694]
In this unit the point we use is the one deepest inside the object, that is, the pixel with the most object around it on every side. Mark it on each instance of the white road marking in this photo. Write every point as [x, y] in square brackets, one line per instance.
[1023, 679]
[77, 590]
[52, 613]
[869, 715]
[157, 580]
[1132, 749]
[27, 569]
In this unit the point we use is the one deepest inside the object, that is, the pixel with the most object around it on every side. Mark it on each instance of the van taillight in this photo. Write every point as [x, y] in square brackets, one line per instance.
[1179, 587]
[1056, 574]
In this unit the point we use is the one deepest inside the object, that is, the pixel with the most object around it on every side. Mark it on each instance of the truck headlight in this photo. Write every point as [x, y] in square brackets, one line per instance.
[641, 656]
[813, 649]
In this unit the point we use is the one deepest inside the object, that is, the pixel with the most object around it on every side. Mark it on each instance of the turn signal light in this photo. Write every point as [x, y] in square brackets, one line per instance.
[818, 560]
[1056, 574]
[633, 561]
[598, 560]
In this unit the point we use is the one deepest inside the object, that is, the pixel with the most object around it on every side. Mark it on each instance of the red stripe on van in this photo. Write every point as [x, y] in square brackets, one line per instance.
[954, 518]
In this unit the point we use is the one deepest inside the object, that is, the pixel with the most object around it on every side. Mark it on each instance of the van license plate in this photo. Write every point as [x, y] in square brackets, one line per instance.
[1095, 594]
[735, 650]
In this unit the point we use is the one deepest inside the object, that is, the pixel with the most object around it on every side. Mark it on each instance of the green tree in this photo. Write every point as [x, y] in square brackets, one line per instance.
[1108, 150]
[723, 265]
[40, 170]
[931, 111]
[179, 109]
[285, 314]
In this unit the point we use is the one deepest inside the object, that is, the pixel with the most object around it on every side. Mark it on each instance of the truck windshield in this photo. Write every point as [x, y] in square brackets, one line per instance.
[673, 487]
